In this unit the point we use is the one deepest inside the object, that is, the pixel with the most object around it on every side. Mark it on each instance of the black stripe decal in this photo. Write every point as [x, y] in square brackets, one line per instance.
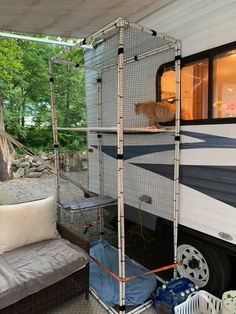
[218, 182]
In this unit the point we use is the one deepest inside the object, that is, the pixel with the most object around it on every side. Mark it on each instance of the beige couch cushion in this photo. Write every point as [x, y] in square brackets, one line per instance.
[30, 268]
[22, 224]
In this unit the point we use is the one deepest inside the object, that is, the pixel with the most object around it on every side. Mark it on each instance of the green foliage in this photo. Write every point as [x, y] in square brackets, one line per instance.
[24, 86]
[39, 137]
[69, 141]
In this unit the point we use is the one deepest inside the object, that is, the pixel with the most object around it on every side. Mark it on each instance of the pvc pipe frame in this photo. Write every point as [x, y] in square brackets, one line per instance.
[113, 26]
[127, 61]
[177, 152]
[100, 163]
[55, 136]
[120, 24]
[120, 164]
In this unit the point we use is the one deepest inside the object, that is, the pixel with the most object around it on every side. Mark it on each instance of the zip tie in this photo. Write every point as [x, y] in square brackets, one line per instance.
[154, 33]
[178, 57]
[120, 50]
[122, 308]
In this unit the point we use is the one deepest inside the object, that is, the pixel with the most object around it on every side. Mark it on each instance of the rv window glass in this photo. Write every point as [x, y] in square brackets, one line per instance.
[194, 91]
[224, 85]
[168, 86]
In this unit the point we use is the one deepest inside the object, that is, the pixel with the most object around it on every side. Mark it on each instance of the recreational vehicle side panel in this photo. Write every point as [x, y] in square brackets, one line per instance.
[200, 25]
[208, 179]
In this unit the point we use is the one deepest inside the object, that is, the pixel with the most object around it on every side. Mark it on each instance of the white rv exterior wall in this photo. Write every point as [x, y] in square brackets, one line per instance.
[202, 25]
[199, 24]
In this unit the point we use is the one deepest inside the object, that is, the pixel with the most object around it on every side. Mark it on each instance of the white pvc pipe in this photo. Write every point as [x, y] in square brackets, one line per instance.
[71, 64]
[100, 160]
[114, 130]
[177, 153]
[142, 56]
[55, 134]
[120, 164]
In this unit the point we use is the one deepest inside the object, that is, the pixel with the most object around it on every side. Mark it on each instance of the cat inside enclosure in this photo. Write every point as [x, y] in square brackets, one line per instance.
[156, 112]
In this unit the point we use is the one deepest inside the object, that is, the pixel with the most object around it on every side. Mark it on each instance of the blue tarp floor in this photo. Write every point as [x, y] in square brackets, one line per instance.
[137, 291]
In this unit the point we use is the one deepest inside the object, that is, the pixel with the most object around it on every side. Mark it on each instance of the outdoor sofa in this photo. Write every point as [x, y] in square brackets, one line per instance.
[41, 275]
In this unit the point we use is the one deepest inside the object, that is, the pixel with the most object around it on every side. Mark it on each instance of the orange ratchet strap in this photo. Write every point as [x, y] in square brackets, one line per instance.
[157, 270]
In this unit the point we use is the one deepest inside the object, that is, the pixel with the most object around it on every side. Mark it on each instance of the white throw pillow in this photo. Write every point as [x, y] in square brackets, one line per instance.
[22, 224]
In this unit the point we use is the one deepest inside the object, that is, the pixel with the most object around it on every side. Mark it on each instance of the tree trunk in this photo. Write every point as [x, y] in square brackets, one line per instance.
[5, 154]
[23, 116]
[67, 104]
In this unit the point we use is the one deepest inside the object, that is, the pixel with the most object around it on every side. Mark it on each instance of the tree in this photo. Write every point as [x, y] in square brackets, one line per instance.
[25, 94]
[5, 156]
[9, 64]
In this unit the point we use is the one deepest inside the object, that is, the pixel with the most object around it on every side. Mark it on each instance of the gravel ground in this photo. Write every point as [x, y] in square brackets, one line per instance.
[29, 189]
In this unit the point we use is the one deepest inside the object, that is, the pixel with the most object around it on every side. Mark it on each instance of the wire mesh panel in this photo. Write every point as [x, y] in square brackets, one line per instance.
[144, 154]
[127, 160]
[69, 95]
[148, 158]
[143, 56]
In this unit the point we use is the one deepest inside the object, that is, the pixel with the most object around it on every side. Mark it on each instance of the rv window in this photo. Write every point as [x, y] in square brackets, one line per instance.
[194, 91]
[224, 85]
[208, 85]
[168, 85]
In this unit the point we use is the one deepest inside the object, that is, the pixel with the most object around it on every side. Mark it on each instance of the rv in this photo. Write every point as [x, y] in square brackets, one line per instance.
[207, 173]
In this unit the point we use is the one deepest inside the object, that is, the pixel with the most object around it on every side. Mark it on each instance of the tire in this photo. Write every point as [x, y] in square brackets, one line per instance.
[207, 266]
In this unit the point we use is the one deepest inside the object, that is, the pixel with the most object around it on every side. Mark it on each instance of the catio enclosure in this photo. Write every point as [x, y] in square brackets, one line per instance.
[120, 70]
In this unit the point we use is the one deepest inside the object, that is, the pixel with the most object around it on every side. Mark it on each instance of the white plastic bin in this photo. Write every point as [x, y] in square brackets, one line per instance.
[200, 302]
[229, 302]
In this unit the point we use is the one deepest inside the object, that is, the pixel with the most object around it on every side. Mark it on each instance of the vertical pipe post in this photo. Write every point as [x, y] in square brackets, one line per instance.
[120, 164]
[177, 152]
[100, 161]
[55, 135]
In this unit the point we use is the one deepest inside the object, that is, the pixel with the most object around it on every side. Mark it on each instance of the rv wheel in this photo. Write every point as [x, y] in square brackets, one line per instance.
[205, 265]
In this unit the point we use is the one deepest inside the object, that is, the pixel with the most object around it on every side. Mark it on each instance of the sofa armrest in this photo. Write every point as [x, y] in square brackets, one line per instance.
[73, 237]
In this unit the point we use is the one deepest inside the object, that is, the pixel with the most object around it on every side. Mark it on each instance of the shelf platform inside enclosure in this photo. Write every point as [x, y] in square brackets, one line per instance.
[114, 130]
[89, 203]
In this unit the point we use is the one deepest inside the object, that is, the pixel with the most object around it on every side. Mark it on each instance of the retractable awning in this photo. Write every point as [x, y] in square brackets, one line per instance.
[70, 18]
